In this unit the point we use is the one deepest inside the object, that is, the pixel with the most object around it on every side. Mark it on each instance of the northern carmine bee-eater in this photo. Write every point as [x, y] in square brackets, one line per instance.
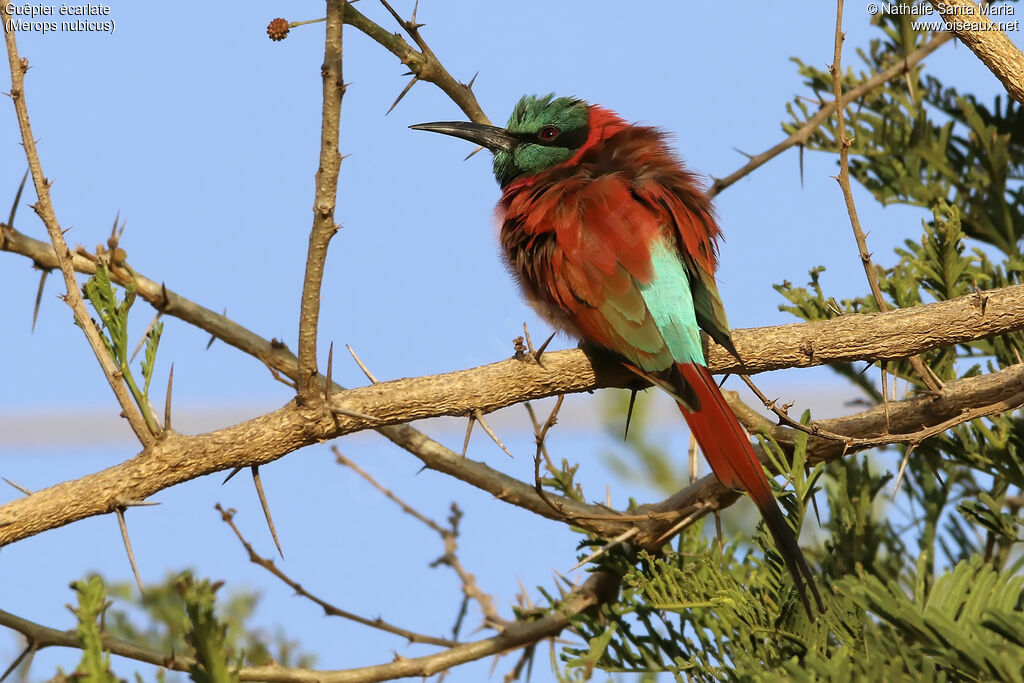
[614, 242]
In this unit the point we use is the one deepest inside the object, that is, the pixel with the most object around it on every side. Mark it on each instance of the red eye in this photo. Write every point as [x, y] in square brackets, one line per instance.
[548, 133]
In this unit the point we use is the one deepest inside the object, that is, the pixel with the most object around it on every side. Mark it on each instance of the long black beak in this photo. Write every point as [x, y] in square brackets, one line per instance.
[491, 137]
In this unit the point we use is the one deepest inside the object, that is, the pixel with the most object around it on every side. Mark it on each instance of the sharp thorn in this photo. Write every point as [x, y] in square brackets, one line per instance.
[494, 437]
[233, 473]
[352, 413]
[145, 333]
[266, 507]
[469, 431]
[624, 536]
[473, 153]
[17, 660]
[629, 413]
[366, 371]
[213, 337]
[903, 468]
[330, 373]
[128, 548]
[27, 492]
[469, 86]
[137, 503]
[39, 298]
[17, 200]
[167, 400]
[540, 351]
[405, 91]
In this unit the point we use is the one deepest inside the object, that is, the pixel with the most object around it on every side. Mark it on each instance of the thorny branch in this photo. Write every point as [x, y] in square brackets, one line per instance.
[600, 587]
[994, 48]
[802, 135]
[146, 433]
[324, 204]
[423, 64]
[268, 437]
[228, 517]
[449, 535]
[180, 458]
[923, 371]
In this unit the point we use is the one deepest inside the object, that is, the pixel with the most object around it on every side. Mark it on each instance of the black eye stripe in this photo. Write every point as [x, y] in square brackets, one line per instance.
[568, 139]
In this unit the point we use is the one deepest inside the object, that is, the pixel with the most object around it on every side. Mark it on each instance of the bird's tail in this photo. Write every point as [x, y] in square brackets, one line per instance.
[728, 450]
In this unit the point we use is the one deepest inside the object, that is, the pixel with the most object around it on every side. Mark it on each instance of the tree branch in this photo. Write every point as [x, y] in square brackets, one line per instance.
[924, 373]
[177, 458]
[992, 46]
[600, 587]
[960, 401]
[62, 256]
[324, 227]
[424, 65]
[802, 135]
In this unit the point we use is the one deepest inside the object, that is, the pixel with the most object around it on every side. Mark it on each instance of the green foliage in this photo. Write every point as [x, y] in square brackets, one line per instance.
[704, 608]
[156, 620]
[182, 616]
[92, 603]
[925, 584]
[204, 633]
[100, 292]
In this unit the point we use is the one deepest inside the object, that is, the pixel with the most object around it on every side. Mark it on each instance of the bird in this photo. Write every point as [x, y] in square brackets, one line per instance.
[613, 241]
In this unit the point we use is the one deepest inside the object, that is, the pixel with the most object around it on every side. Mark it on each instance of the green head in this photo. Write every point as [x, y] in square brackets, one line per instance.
[542, 132]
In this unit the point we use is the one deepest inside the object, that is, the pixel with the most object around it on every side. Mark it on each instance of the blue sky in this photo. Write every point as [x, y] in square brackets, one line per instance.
[204, 136]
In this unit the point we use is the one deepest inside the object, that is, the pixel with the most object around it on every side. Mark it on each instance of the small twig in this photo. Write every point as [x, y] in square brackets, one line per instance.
[423, 64]
[885, 439]
[801, 136]
[387, 493]
[540, 435]
[128, 547]
[536, 433]
[843, 178]
[330, 610]
[529, 341]
[470, 589]
[44, 209]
